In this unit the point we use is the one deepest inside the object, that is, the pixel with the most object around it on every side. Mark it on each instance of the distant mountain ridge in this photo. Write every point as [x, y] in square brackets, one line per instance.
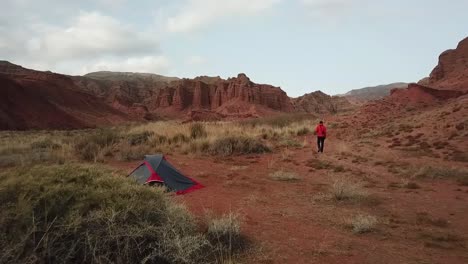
[363, 95]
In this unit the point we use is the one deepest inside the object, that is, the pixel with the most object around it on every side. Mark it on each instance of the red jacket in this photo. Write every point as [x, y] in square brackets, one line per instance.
[321, 131]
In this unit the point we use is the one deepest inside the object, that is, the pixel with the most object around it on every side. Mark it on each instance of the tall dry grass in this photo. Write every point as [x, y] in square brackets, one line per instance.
[133, 142]
[89, 214]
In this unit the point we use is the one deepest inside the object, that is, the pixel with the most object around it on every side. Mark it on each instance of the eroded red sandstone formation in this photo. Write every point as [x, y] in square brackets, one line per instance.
[44, 100]
[452, 71]
[179, 98]
[196, 95]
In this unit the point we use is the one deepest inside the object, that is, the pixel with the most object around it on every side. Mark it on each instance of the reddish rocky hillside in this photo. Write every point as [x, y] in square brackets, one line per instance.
[210, 97]
[452, 71]
[321, 103]
[430, 120]
[45, 100]
[49, 101]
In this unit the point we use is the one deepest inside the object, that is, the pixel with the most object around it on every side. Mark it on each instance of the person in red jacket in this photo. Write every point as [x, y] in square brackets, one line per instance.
[321, 132]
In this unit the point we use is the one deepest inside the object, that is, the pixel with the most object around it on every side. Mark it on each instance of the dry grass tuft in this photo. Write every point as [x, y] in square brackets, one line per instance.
[363, 223]
[236, 145]
[284, 176]
[344, 190]
[425, 218]
[442, 240]
[459, 175]
[139, 138]
[197, 130]
[225, 236]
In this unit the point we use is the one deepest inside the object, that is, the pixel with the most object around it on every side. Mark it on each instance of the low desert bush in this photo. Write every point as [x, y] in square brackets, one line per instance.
[319, 164]
[197, 130]
[139, 138]
[284, 176]
[303, 131]
[236, 145]
[130, 153]
[157, 140]
[343, 189]
[225, 235]
[45, 144]
[85, 214]
[88, 146]
[178, 138]
[425, 218]
[459, 175]
[290, 143]
[363, 223]
[198, 146]
[87, 151]
[442, 240]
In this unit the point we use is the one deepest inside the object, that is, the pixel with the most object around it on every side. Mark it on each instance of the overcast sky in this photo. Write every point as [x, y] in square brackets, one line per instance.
[300, 45]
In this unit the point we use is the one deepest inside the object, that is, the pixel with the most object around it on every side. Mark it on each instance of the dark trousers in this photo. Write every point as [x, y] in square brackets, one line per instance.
[320, 143]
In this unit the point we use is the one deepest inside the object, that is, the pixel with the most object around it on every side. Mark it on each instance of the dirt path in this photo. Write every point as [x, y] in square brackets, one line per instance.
[290, 223]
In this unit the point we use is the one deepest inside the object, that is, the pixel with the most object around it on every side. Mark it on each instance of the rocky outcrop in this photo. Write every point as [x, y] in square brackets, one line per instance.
[419, 94]
[321, 103]
[452, 71]
[196, 94]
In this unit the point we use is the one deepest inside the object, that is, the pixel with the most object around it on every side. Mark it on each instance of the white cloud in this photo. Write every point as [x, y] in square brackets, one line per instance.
[89, 41]
[195, 14]
[93, 34]
[332, 9]
[195, 60]
[148, 64]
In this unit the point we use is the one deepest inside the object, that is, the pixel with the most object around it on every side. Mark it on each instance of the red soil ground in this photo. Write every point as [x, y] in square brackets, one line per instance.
[288, 223]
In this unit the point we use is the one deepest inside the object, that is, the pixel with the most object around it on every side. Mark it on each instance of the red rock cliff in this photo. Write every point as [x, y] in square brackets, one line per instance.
[452, 71]
[187, 95]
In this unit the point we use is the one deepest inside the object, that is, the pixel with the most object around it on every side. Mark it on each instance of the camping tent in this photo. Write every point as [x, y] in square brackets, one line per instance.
[156, 169]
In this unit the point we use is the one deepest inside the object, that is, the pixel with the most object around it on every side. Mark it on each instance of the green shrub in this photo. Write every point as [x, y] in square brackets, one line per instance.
[197, 130]
[78, 214]
[233, 145]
